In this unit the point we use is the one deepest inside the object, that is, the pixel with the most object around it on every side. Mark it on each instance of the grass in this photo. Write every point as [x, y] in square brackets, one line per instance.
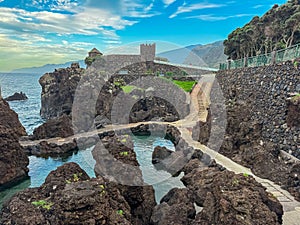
[187, 86]
[120, 212]
[128, 88]
[124, 153]
[296, 97]
[44, 204]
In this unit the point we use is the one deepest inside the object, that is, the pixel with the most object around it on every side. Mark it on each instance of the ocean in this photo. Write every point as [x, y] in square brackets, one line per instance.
[39, 168]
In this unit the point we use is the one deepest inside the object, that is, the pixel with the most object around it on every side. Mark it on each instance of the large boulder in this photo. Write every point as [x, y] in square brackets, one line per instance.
[45, 149]
[116, 160]
[58, 89]
[176, 207]
[293, 111]
[202, 130]
[160, 153]
[68, 196]
[229, 198]
[17, 97]
[10, 120]
[293, 183]
[57, 127]
[13, 160]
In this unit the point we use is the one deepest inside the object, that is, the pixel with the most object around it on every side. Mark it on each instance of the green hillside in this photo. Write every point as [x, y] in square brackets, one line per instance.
[277, 29]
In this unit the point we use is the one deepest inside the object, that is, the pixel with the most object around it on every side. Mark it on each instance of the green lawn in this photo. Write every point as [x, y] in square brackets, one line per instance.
[185, 85]
[128, 88]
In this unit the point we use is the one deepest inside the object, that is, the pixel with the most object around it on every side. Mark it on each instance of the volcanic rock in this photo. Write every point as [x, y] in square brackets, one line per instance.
[159, 154]
[17, 97]
[176, 207]
[58, 89]
[13, 160]
[57, 127]
[293, 114]
[116, 160]
[68, 196]
[229, 198]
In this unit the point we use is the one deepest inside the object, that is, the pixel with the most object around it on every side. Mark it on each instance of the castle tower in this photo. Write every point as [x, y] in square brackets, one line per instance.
[94, 52]
[147, 52]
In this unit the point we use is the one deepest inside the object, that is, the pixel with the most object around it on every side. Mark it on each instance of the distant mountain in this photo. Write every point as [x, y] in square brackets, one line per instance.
[209, 55]
[47, 68]
[177, 55]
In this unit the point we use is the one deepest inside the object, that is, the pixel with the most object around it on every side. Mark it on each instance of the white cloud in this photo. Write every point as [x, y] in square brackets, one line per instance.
[33, 38]
[26, 37]
[19, 54]
[64, 5]
[257, 6]
[88, 22]
[112, 42]
[55, 5]
[217, 18]
[136, 9]
[189, 8]
[168, 2]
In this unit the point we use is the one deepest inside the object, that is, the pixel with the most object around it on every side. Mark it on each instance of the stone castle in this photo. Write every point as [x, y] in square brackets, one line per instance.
[115, 62]
[147, 53]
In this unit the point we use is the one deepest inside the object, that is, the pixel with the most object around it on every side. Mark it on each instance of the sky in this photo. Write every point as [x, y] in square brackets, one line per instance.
[39, 32]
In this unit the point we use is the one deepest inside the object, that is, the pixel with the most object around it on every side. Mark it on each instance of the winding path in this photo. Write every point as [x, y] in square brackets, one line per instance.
[198, 111]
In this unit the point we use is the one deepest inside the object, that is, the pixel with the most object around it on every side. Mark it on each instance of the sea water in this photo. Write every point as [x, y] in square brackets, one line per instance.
[39, 168]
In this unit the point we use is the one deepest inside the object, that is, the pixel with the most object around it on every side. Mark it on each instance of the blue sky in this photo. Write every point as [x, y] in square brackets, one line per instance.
[37, 32]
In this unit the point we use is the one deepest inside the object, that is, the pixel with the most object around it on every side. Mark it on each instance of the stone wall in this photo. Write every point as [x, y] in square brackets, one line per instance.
[265, 91]
[114, 63]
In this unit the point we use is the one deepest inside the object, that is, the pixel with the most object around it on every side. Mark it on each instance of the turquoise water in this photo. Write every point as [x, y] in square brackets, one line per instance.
[29, 110]
[39, 168]
[161, 180]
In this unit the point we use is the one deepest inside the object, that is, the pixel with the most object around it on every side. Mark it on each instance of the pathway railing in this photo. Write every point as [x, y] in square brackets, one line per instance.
[282, 55]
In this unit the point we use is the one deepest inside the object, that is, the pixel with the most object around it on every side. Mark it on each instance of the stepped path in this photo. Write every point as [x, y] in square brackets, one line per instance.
[199, 103]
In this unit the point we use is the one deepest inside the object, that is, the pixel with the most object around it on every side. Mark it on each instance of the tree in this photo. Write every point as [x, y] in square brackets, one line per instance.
[292, 25]
[276, 29]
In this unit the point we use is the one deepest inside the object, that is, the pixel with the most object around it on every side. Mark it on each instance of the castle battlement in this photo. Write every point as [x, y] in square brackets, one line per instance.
[147, 52]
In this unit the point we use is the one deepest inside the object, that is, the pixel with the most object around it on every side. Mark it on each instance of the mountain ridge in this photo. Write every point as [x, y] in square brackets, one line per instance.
[208, 55]
[47, 68]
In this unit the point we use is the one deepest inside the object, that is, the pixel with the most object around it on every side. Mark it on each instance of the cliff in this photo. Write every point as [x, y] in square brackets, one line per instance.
[58, 90]
[13, 160]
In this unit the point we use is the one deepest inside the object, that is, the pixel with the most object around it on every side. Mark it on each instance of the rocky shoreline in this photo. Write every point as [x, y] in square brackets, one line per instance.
[118, 194]
[262, 121]
[69, 196]
[13, 160]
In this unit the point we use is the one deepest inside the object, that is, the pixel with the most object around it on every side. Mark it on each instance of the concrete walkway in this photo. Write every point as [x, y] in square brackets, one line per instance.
[291, 207]
[198, 111]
